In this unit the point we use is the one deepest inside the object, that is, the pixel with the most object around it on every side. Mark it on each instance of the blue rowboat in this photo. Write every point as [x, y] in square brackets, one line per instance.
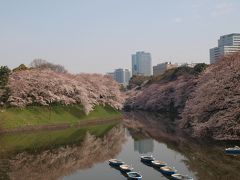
[134, 175]
[125, 168]
[181, 177]
[168, 170]
[233, 150]
[115, 162]
[147, 159]
[158, 163]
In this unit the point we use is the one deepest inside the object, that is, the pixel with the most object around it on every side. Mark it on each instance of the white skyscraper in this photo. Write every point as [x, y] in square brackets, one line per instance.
[122, 76]
[142, 64]
[226, 44]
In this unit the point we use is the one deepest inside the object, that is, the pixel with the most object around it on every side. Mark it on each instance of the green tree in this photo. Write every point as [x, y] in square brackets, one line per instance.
[199, 68]
[4, 76]
[4, 91]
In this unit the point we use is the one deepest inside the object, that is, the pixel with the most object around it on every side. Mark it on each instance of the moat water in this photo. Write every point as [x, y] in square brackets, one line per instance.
[83, 154]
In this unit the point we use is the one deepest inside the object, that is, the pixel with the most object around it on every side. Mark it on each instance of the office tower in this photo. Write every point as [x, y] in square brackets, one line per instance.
[226, 44]
[122, 76]
[142, 64]
[111, 74]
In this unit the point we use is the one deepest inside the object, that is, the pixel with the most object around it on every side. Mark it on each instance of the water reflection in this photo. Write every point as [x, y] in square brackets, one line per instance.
[83, 153]
[57, 162]
[144, 146]
[206, 159]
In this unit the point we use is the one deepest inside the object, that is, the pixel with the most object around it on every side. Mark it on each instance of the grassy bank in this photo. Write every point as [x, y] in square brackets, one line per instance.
[35, 141]
[13, 118]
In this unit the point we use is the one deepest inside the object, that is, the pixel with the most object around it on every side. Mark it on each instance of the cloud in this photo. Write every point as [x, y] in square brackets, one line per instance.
[178, 20]
[222, 9]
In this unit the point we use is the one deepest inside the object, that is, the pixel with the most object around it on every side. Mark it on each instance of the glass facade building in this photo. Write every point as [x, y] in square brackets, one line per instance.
[142, 64]
[226, 44]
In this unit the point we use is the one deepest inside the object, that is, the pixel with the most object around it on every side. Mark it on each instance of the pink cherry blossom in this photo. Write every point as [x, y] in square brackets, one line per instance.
[46, 87]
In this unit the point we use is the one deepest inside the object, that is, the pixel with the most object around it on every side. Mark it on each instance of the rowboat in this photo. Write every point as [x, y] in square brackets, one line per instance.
[168, 170]
[147, 159]
[115, 162]
[233, 150]
[125, 168]
[181, 177]
[158, 163]
[134, 175]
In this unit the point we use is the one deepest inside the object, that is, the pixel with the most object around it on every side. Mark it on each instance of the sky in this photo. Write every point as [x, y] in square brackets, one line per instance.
[98, 36]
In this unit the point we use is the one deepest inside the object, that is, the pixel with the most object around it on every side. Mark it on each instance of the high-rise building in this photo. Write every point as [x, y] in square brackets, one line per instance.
[226, 44]
[127, 76]
[111, 74]
[142, 64]
[162, 68]
[122, 76]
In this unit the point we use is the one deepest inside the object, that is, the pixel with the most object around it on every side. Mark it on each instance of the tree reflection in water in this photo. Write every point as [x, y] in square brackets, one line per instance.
[54, 163]
[205, 158]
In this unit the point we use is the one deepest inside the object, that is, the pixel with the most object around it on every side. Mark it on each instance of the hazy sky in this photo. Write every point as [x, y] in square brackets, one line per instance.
[100, 35]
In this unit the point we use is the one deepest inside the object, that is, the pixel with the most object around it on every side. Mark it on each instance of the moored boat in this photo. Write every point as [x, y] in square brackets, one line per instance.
[115, 162]
[168, 170]
[181, 177]
[147, 159]
[134, 175]
[125, 168]
[233, 150]
[158, 163]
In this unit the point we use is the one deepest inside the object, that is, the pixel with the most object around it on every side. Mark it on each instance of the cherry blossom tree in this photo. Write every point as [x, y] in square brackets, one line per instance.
[213, 109]
[45, 87]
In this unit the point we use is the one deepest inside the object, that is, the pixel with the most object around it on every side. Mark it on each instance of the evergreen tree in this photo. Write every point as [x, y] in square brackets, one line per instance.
[4, 76]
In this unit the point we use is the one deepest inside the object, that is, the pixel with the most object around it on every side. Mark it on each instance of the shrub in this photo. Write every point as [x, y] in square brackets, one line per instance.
[22, 67]
[4, 76]
[199, 68]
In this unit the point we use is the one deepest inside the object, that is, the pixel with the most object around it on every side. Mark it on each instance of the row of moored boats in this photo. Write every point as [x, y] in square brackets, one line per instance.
[126, 169]
[150, 161]
[159, 165]
[164, 168]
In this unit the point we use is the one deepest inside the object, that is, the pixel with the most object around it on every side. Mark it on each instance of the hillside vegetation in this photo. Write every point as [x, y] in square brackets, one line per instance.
[166, 93]
[213, 109]
[204, 100]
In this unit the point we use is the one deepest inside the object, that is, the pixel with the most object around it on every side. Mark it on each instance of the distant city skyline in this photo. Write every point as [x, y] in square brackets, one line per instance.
[98, 36]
